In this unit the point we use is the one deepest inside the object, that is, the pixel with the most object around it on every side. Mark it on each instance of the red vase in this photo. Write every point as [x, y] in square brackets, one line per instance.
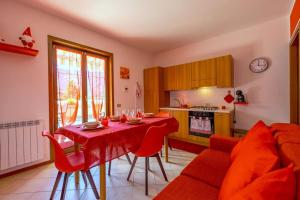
[123, 118]
[104, 121]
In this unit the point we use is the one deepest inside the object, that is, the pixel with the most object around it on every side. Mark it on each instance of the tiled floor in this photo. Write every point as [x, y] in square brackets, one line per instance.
[37, 184]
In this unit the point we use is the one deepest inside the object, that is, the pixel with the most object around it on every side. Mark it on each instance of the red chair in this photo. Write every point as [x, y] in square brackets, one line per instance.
[151, 145]
[163, 114]
[68, 164]
[63, 141]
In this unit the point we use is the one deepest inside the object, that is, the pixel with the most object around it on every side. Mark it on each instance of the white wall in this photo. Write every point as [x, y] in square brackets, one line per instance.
[24, 79]
[267, 93]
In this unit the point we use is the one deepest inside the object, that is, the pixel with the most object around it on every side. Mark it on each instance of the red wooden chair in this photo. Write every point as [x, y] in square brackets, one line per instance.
[151, 145]
[68, 164]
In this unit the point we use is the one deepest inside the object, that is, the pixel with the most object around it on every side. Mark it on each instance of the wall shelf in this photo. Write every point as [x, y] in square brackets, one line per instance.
[18, 49]
[241, 103]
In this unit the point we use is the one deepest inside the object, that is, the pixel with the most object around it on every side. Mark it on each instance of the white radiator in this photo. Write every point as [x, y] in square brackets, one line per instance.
[21, 143]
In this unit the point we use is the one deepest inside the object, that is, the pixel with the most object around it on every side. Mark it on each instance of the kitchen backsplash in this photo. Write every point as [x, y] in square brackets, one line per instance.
[210, 95]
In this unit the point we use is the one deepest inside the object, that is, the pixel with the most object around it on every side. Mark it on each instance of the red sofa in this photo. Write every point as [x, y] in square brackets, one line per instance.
[203, 177]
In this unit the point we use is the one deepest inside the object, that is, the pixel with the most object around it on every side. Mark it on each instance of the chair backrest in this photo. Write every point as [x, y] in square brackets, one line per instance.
[60, 159]
[163, 114]
[153, 141]
[63, 141]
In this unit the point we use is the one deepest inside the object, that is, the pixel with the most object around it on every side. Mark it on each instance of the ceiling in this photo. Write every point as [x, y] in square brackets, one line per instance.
[159, 25]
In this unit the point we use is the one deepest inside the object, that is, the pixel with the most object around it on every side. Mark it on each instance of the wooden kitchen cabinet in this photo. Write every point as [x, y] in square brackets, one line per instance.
[154, 94]
[183, 131]
[223, 124]
[169, 81]
[203, 73]
[183, 77]
[225, 71]
[182, 117]
[177, 77]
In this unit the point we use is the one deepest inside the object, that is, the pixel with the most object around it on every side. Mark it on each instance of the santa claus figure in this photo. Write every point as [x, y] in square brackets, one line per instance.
[26, 38]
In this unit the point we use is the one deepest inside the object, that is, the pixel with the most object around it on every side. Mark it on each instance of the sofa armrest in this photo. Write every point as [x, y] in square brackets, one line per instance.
[222, 143]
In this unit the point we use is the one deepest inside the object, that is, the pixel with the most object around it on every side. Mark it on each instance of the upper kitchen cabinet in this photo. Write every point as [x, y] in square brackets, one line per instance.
[211, 72]
[203, 73]
[225, 71]
[169, 78]
[183, 77]
[155, 96]
[177, 77]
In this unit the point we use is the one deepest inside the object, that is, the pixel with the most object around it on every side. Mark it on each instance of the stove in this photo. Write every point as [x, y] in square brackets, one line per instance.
[205, 108]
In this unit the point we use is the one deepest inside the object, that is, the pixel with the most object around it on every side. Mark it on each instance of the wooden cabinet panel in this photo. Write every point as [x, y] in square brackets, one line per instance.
[170, 78]
[211, 74]
[203, 73]
[166, 78]
[183, 77]
[182, 118]
[154, 94]
[177, 77]
[151, 101]
[225, 71]
[223, 124]
[195, 71]
[151, 79]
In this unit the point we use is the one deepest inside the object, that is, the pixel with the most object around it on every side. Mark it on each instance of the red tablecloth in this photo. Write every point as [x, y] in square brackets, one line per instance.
[114, 141]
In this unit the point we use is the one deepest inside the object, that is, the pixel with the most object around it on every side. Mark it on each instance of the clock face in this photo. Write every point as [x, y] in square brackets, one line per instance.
[258, 65]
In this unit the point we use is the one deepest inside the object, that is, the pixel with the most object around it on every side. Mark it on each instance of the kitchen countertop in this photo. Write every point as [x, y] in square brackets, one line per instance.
[227, 110]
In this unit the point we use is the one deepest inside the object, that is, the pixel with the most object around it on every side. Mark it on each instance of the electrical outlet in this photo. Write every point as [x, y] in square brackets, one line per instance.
[118, 105]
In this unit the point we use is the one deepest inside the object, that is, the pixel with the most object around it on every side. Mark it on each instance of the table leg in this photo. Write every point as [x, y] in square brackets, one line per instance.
[102, 182]
[166, 149]
[76, 148]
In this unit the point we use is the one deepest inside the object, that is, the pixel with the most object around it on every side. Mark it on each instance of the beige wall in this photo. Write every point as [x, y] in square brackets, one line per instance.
[267, 93]
[24, 79]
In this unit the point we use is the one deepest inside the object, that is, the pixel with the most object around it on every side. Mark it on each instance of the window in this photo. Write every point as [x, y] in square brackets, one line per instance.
[80, 83]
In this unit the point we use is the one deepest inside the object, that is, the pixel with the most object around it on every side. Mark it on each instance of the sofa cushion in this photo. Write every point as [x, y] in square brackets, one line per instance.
[276, 185]
[187, 188]
[255, 158]
[289, 152]
[210, 166]
[252, 136]
[285, 127]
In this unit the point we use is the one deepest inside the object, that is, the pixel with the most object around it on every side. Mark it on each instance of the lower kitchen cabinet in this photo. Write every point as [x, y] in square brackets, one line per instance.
[223, 126]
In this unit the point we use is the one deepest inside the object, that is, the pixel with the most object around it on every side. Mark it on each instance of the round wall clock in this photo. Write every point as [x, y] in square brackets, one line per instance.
[258, 65]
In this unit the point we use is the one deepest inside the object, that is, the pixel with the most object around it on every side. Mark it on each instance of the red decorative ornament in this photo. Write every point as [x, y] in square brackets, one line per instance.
[229, 98]
[123, 118]
[27, 39]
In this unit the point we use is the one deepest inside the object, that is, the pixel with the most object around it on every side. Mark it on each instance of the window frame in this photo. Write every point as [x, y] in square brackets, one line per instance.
[52, 79]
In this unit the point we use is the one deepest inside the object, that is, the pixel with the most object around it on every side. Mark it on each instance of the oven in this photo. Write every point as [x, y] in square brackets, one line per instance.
[201, 123]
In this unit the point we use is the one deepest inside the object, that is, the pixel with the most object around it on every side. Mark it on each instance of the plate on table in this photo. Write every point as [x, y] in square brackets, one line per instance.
[134, 122]
[115, 118]
[149, 115]
[85, 128]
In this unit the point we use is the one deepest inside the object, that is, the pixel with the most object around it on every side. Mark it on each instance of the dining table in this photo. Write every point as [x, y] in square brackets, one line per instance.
[117, 139]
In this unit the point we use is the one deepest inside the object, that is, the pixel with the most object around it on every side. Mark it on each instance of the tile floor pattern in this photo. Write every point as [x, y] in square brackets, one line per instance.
[37, 184]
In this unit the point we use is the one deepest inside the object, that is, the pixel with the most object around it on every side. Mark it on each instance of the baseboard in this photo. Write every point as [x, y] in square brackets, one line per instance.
[186, 146]
[25, 169]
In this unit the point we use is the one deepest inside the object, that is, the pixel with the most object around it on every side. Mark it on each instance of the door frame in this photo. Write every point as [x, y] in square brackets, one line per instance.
[52, 83]
[295, 77]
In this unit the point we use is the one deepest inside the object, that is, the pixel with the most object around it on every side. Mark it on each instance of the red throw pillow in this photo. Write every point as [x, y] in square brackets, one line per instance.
[276, 185]
[250, 136]
[257, 156]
